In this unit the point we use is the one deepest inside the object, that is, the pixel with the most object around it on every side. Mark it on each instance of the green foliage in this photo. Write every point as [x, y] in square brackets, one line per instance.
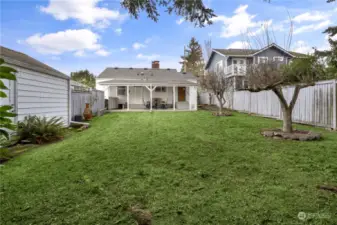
[192, 10]
[6, 73]
[306, 70]
[193, 59]
[40, 129]
[5, 154]
[84, 77]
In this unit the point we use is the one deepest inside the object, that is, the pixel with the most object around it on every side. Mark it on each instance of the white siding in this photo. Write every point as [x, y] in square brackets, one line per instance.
[42, 95]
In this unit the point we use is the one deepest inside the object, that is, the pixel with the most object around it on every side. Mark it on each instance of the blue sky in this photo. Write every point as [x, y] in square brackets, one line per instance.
[94, 34]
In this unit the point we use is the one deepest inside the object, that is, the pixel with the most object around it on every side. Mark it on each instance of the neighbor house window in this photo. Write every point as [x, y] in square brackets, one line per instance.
[121, 90]
[262, 59]
[278, 59]
[245, 84]
[160, 89]
[218, 67]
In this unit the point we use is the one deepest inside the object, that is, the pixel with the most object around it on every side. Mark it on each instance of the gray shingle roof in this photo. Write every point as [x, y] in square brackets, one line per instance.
[236, 52]
[155, 75]
[22, 60]
[154, 82]
[246, 52]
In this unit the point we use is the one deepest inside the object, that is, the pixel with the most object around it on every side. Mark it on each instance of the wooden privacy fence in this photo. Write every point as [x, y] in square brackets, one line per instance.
[80, 98]
[316, 105]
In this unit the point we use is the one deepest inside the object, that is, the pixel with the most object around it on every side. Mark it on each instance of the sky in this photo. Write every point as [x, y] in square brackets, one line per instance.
[71, 35]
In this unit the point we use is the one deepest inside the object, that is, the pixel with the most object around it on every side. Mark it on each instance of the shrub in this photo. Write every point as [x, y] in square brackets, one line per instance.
[40, 129]
[5, 155]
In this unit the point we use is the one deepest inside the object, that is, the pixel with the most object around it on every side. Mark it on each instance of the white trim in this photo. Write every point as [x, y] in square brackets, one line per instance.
[218, 53]
[174, 97]
[276, 46]
[278, 57]
[127, 97]
[261, 57]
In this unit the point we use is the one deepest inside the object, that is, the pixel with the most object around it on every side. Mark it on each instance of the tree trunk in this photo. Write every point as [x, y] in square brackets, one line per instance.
[287, 120]
[210, 98]
[220, 106]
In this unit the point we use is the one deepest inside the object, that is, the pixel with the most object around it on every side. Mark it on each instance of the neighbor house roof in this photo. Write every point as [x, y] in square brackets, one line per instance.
[249, 52]
[144, 75]
[22, 60]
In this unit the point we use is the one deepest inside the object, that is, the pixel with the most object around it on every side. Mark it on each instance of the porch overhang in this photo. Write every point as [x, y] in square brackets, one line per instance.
[147, 83]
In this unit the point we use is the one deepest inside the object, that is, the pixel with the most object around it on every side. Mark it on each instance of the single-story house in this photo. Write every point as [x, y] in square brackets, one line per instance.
[148, 88]
[39, 89]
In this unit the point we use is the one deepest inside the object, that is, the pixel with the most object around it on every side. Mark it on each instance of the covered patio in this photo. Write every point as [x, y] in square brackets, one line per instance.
[143, 96]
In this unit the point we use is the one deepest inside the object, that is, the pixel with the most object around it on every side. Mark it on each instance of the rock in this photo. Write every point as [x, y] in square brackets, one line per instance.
[268, 133]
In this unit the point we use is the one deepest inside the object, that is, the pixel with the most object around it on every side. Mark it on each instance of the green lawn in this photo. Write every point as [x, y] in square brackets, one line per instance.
[185, 167]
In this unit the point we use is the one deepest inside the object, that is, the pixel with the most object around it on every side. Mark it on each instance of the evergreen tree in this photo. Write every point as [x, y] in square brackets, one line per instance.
[193, 59]
[84, 77]
[192, 10]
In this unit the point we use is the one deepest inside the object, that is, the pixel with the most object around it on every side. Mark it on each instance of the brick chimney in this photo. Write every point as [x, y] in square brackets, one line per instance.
[155, 65]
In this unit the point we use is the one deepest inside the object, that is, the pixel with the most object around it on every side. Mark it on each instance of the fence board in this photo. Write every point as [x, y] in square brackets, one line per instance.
[316, 105]
[79, 99]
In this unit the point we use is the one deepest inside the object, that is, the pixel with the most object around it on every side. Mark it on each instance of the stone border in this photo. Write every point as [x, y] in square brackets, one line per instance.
[296, 135]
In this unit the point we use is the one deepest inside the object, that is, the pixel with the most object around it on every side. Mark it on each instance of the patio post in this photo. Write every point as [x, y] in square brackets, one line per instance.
[174, 97]
[151, 97]
[128, 97]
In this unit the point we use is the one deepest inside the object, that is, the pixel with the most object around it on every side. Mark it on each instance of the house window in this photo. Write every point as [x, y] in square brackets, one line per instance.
[121, 90]
[262, 59]
[160, 89]
[218, 67]
[278, 59]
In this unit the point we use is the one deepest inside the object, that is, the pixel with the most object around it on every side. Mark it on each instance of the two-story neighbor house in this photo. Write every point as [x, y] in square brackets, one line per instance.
[233, 62]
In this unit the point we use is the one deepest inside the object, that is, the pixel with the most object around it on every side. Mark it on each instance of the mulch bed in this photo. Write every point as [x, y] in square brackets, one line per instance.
[299, 135]
[215, 110]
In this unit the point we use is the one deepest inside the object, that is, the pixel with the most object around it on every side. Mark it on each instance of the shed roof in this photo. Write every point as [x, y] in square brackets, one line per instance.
[22, 60]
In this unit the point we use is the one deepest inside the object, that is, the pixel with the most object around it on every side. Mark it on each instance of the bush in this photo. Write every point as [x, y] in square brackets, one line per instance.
[40, 130]
[5, 155]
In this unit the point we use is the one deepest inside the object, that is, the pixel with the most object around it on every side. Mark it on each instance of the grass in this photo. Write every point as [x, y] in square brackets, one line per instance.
[185, 167]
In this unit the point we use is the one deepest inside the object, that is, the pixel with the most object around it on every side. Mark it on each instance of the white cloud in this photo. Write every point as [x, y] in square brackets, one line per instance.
[123, 49]
[180, 21]
[79, 53]
[86, 12]
[312, 27]
[239, 44]
[239, 23]
[148, 40]
[138, 45]
[118, 31]
[311, 16]
[102, 52]
[303, 47]
[148, 57]
[64, 41]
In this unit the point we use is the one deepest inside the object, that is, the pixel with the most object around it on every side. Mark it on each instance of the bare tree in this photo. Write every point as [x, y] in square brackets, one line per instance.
[208, 52]
[218, 85]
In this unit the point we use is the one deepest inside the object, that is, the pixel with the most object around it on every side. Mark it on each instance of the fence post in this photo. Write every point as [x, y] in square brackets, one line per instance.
[334, 119]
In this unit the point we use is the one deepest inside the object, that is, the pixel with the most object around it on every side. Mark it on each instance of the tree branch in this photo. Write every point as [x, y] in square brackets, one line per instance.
[280, 95]
[295, 96]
